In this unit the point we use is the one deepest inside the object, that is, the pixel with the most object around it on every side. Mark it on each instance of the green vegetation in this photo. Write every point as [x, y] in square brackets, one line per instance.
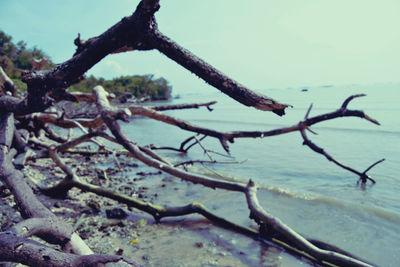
[143, 87]
[17, 58]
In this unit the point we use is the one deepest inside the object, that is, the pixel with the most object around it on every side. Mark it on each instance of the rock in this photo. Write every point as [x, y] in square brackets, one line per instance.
[116, 213]
[95, 206]
[119, 252]
[199, 244]
[146, 257]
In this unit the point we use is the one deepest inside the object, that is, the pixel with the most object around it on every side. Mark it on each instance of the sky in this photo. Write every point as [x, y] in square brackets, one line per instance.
[260, 43]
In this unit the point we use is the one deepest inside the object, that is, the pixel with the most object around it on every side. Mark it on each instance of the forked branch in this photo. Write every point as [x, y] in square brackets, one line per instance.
[257, 212]
[303, 126]
[286, 236]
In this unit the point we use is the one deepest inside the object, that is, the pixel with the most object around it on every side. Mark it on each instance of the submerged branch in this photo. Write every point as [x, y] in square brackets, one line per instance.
[305, 125]
[264, 219]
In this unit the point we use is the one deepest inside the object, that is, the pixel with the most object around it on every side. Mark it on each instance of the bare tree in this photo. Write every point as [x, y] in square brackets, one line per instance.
[44, 88]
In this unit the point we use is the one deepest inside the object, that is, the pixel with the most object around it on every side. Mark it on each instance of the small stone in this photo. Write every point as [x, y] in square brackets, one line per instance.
[116, 213]
[95, 206]
[119, 252]
[146, 257]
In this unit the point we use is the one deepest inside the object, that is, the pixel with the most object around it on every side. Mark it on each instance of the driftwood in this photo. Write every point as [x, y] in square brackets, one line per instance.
[289, 237]
[225, 137]
[7, 84]
[136, 32]
[29, 252]
[30, 207]
[257, 213]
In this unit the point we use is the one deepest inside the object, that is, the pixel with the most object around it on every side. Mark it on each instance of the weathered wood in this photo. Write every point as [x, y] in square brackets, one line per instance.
[267, 220]
[27, 202]
[110, 116]
[213, 76]
[7, 84]
[256, 211]
[136, 32]
[17, 249]
[32, 253]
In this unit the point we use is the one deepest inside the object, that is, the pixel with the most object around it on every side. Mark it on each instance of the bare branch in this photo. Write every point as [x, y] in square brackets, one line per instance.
[32, 253]
[185, 106]
[264, 218]
[7, 84]
[362, 176]
[50, 227]
[350, 98]
[213, 76]
[109, 117]
[373, 165]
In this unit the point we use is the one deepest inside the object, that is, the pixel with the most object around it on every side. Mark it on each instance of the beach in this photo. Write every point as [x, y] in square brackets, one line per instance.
[181, 241]
[302, 188]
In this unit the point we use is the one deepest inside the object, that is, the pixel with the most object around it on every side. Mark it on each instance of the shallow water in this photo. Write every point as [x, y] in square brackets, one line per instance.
[306, 191]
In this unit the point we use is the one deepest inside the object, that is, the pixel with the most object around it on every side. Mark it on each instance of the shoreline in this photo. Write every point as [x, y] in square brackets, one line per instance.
[179, 241]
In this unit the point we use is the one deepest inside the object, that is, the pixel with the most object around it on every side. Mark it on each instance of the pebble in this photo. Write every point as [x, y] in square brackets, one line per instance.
[116, 213]
[199, 244]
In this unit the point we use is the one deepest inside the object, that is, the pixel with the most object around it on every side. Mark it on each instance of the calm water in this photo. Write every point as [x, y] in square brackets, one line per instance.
[301, 187]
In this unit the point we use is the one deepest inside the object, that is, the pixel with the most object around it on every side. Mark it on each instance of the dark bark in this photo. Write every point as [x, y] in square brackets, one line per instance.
[17, 249]
[184, 106]
[129, 31]
[136, 32]
[213, 76]
[32, 253]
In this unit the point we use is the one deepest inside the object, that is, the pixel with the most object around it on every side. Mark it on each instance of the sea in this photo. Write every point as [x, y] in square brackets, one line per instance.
[305, 190]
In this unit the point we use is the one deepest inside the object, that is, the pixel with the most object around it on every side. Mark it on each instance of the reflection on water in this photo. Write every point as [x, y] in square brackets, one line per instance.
[301, 187]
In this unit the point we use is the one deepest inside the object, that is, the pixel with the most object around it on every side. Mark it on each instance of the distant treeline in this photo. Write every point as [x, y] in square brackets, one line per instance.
[141, 87]
[17, 58]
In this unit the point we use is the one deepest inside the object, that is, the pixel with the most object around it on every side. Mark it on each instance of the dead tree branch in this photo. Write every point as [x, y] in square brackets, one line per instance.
[257, 212]
[211, 75]
[264, 219]
[303, 126]
[32, 253]
[185, 106]
[110, 118]
[7, 84]
[137, 32]
[17, 249]
[49, 227]
[158, 212]
[363, 177]
[26, 201]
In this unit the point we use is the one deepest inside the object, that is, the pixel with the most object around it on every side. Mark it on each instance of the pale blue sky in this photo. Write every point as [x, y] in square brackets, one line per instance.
[260, 43]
